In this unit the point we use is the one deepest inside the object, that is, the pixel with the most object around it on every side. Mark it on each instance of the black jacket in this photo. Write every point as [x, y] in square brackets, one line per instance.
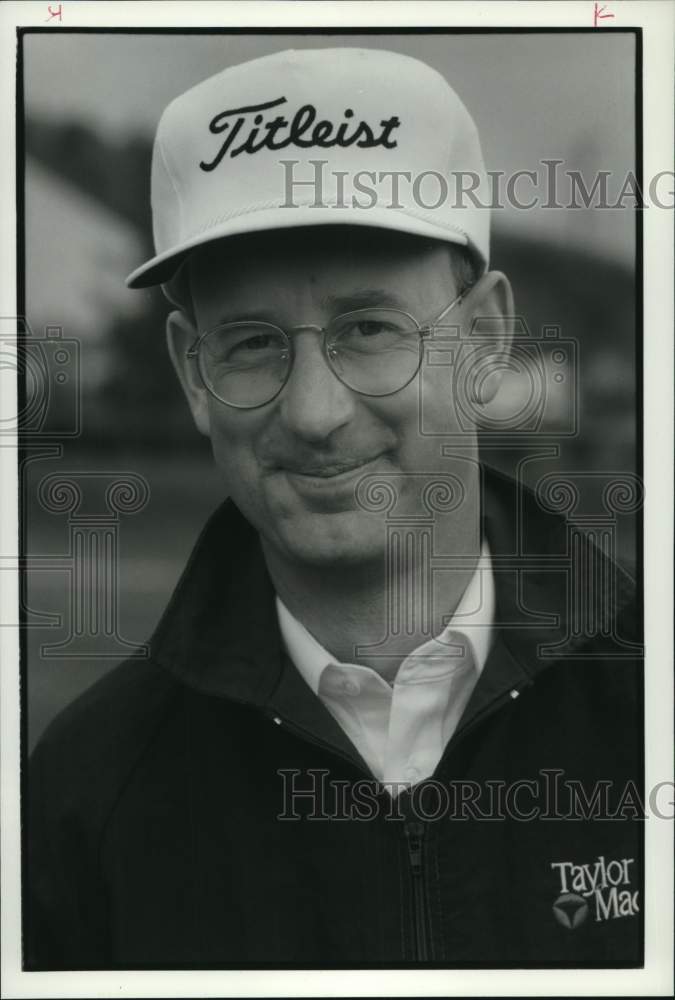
[153, 830]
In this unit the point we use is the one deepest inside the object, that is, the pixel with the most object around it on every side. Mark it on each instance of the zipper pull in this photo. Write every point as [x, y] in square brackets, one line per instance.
[414, 832]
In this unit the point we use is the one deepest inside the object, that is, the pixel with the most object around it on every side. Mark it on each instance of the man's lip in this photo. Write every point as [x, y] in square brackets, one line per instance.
[331, 470]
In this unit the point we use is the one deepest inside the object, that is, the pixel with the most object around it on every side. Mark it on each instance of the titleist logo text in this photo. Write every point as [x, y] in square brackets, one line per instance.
[251, 134]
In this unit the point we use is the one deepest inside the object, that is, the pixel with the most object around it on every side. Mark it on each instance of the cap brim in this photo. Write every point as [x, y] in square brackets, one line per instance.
[161, 269]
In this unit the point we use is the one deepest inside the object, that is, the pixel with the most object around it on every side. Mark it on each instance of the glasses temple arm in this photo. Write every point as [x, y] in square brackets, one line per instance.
[432, 324]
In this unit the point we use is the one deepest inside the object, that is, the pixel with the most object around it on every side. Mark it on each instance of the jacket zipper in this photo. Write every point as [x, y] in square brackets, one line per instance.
[414, 832]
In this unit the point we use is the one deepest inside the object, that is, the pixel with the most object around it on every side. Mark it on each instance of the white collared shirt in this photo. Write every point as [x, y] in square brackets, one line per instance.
[401, 729]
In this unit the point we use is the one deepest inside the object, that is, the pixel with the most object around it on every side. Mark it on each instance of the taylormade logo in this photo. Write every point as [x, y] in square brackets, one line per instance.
[606, 885]
[250, 129]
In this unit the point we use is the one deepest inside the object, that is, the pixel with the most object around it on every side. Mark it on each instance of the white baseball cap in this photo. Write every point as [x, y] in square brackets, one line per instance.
[315, 137]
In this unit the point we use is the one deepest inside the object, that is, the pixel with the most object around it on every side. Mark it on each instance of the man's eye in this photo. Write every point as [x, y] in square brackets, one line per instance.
[371, 327]
[365, 329]
[258, 343]
[254, 346]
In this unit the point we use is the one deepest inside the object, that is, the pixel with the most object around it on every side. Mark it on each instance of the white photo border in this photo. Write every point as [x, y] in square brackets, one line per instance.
[657, 21]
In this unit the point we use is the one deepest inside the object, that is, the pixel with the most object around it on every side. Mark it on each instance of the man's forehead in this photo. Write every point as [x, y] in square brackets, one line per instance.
[337, 269]
[316, 256]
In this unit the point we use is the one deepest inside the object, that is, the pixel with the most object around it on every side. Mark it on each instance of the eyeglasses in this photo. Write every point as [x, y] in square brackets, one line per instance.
[375, 352]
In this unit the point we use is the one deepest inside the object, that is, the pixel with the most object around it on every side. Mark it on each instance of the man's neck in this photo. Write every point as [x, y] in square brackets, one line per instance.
[373, 614]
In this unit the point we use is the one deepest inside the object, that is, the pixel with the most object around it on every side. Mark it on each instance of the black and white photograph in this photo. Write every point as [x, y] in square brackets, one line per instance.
[333, 459]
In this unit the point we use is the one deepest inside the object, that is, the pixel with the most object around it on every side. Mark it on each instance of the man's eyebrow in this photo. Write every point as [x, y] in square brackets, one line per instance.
[262, 315]
[361, 298]
[364, 298]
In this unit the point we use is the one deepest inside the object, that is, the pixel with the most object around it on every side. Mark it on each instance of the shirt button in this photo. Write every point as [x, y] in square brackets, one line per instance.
[350, 687]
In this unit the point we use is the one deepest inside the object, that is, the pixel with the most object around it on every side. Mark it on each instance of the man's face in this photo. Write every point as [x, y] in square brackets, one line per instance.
[293, 464]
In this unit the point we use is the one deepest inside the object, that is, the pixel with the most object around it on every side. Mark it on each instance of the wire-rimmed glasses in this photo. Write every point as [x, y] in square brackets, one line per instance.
[373, 351]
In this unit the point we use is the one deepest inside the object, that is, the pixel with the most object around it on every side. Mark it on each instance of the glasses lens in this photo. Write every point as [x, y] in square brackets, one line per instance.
[245, 364]
[375, 351]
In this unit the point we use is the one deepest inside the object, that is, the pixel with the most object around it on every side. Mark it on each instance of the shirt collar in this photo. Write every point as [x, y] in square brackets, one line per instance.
[473, 619]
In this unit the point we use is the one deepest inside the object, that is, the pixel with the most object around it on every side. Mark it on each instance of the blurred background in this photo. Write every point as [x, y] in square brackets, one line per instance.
[92, 103]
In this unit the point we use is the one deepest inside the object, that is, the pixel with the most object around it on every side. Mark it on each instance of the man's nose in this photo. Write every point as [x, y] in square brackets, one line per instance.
[314, 402]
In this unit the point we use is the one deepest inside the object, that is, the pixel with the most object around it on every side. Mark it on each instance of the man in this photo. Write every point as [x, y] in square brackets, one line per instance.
[351, 743]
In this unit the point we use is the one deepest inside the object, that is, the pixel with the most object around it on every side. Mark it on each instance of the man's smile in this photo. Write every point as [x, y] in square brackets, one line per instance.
[329, 470]
[332, 485]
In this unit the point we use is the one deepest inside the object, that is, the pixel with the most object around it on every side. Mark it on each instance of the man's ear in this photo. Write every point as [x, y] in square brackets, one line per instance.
[492, 323]
[180, 336]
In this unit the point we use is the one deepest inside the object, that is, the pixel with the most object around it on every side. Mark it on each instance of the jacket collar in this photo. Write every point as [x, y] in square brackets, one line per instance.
[220, 633]
[559, 597]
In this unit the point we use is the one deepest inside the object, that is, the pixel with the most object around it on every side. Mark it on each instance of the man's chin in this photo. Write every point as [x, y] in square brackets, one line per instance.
[349, 538]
